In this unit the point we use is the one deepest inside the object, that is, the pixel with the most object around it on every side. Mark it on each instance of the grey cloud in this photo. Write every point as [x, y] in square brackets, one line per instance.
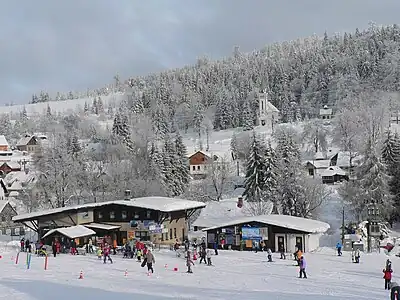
[75, 44]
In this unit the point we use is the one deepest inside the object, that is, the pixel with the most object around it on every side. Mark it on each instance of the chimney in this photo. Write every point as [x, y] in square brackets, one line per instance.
[240, 202]
[127, 195]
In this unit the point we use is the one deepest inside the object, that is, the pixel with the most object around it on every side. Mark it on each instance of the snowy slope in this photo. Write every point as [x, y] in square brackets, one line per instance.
[236, 275]
[61, 106]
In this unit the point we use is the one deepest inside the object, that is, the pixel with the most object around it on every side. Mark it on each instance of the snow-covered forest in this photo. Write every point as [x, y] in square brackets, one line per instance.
[97, 153]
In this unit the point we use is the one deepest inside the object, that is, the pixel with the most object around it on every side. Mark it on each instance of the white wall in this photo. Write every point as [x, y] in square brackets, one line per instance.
[199, 169]
[310, 241]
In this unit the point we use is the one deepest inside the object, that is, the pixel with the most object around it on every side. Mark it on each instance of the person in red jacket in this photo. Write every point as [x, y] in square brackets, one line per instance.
[106, 253]
[387, 275]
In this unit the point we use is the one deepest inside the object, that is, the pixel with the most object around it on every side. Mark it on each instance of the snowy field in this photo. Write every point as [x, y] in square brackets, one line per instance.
[236, 275]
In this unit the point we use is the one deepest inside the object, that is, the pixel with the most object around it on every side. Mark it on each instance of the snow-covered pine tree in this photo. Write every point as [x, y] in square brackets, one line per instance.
[374, 179]
[234, 146]
[181, 164]
[48, 111]
[121, 130]
[247, 116]
[255, 172]
[6, 126]
[391, 158]
[270, 173]
[171, 183]
[100, 105]
[110, 110]
[95, 109]
[86, 108]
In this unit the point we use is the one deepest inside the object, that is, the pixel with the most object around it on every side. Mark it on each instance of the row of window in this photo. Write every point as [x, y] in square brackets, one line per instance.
[112, 215]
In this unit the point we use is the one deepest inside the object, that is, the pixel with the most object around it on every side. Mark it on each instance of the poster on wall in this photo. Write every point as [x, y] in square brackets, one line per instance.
[251, 233]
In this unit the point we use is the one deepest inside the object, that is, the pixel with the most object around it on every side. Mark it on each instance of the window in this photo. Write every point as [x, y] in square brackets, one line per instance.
[3, 218]
[148, 214]
[175, 233]
[311, 172]
[112, 215]
[136, 215]
[170, 233]
[124, 215]
[100, 215]
[194, 168]
[198, 168]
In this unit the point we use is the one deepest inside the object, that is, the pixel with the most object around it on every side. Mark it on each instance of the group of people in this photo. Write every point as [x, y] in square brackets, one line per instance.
[355, 253]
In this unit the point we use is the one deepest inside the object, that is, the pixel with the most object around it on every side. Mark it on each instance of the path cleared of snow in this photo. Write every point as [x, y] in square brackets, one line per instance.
[236, 275]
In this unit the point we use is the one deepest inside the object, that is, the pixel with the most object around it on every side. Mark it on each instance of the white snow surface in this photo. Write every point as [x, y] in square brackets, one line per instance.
[296, 223]
[72, 232]
[236, 275]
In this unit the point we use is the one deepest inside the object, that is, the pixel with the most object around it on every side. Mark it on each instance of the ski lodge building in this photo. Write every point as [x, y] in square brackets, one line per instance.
[160, 220]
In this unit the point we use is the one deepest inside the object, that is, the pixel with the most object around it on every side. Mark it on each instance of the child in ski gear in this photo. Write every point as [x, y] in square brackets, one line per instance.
[394, 291]
[189, 262]
[357, 256]
[303, 266]
[106, 253]
[339, 248]
[149, 258]
[282, 252]
[269, 255]
[203, 254]
[139, 255]
[99, 253]
[387, 275]
[208, 253]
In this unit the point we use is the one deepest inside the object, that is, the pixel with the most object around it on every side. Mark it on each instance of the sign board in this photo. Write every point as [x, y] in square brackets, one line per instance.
[251, 233]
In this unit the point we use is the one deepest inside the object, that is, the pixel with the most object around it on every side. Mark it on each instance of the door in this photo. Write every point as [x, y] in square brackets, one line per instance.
[281, 243]
[299, 243]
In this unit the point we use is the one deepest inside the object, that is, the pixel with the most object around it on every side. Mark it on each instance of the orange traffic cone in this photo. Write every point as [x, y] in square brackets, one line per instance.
[80, 275]
[126, 273]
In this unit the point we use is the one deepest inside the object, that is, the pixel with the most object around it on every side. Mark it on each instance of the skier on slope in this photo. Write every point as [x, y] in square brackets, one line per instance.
[303, 266]
[339, 248]
[387, 275]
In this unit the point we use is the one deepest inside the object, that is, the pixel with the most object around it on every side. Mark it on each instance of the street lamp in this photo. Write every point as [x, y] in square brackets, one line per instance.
[372, 223]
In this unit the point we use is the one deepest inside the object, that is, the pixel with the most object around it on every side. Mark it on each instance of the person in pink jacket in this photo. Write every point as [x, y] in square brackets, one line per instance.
[106, 253]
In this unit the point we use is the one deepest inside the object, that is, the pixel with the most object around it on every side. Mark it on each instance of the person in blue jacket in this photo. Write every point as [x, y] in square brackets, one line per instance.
[339, 248]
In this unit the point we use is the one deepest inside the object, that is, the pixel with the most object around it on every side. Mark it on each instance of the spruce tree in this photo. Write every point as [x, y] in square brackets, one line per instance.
[95, 109]
[254, 183]
[247, 117]
[181, 165]
[121, 130]
[100, 106]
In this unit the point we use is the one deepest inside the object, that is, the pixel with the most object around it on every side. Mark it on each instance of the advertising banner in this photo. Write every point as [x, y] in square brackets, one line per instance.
[251, 233]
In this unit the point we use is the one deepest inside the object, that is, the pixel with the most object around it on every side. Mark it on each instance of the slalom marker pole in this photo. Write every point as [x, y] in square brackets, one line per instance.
[29, 261]
[45, 262]
[16, 258]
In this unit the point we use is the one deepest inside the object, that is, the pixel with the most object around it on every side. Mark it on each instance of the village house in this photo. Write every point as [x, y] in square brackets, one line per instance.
[331, 167]
[10, 166]
[5, 151]
[198, 162]
[28, 143]
[326, 113]
[268, 113]
[160, 220]
[7, 212]
[275, 231]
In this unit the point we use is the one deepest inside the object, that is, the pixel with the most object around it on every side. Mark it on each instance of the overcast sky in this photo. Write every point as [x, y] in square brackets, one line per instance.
[75, 44]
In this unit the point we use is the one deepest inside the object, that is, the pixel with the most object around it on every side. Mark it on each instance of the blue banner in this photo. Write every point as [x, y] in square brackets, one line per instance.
[251, 233]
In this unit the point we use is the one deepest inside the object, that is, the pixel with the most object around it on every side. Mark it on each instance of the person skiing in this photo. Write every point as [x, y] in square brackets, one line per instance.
[203, 254]
[106, 253]
[208, 254]
[339, 248]
[394, 291]
[282, 252]
[303, 266]
[189, 262]
[357, 256]
[22, 244]
[269, 255]
[54, 248]
[387, 275]
[149, 259]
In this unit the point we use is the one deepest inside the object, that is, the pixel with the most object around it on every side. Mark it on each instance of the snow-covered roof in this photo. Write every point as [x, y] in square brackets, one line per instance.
[3, 204]
[219, 211]
[290, 222]
[325, 111]
[163, 204]
[12, 164]
[3, 141]
[20, 179]
[72, 232]
[24, 141]
[320, 164]
[332, 170]
[319, 156]
[102, 226]
[270, 107]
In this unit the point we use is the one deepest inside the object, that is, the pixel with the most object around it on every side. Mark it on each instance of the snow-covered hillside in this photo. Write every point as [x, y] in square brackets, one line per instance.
[235, 275]
[61, 106]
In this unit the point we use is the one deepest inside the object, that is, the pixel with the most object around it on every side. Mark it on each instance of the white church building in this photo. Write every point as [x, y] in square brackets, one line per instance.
[268, 113]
